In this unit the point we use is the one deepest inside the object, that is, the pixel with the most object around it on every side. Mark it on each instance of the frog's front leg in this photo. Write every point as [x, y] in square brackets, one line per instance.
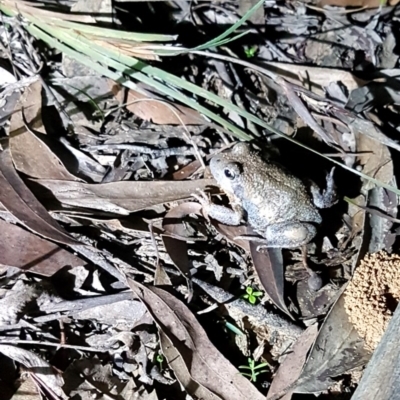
[286, 235]
[328, 196]
[222, 214]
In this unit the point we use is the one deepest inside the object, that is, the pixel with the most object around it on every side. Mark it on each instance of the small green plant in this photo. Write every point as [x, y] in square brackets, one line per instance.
[251, 295]
[251, 51]
[160, 359]
[254, 369]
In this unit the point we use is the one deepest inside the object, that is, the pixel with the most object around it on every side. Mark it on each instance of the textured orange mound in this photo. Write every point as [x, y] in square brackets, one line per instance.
[372, 295]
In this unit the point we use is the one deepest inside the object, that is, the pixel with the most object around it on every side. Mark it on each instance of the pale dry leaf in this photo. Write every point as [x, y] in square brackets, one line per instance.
[123, 197]
[355, 3]
[317, 77]
[27, 390]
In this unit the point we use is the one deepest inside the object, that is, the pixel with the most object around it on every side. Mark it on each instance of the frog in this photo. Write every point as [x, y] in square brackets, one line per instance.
[278, 205]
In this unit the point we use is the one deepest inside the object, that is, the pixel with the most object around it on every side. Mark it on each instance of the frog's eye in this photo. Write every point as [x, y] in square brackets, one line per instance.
[229, 173]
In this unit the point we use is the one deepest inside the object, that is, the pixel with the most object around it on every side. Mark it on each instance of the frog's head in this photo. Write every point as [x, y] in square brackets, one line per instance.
[227, 169]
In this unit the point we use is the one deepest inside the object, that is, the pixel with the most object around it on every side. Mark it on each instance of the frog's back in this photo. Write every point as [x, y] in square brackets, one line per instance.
[273, 195]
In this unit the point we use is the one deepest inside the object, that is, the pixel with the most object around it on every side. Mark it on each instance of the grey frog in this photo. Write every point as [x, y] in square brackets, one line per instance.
[275, 203]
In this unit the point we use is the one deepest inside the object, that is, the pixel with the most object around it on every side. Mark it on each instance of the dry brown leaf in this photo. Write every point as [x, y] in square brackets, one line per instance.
[187, 171]
[292, 365]
[181, 371]
[231, 232]
[317, 77]
[30, 155]
[377, 160]
[206, 365]
[270, 271]
[22, 249]
[173, 221]
[20, 202]
[122, 197]
[156, 111]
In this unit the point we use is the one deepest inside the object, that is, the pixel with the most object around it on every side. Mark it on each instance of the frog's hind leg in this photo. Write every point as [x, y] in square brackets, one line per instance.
[314, 281]
[287, 235]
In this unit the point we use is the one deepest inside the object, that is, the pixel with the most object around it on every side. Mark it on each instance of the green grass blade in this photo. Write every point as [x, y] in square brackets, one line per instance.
[110, 33]
[139, 71]
[249, 13]
[135, 74]
[91, 100]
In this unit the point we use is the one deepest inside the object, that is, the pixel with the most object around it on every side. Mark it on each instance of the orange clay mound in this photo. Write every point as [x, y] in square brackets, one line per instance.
[372, 295]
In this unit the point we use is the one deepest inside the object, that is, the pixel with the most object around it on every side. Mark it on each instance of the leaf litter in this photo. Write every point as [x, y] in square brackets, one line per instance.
[112, 280]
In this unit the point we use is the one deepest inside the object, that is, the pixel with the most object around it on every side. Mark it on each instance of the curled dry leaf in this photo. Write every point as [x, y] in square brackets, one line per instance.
[31, 155]
[337, 349]
[122, 197]
[378, 164]
[181, 371]
[41, 371]
[158, 111]
[269, 267]
[19, 201]
[22, 249]
[292, 365]
[206, 365]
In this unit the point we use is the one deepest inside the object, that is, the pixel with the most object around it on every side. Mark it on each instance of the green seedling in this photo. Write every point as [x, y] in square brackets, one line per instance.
[254, 369]
[251, 295]
[251, 51]
[160, 359]
[234, 329]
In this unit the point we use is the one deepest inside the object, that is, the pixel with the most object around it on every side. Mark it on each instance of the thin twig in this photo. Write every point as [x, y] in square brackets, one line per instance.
[39, 342]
